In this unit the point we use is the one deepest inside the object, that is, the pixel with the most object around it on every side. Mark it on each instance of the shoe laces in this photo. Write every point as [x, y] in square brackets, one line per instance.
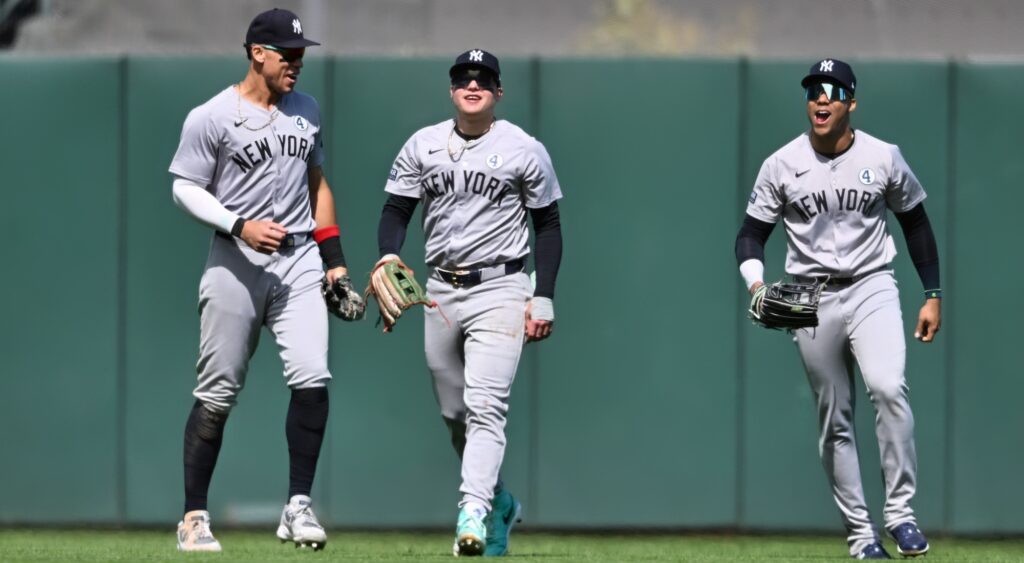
[201, 529]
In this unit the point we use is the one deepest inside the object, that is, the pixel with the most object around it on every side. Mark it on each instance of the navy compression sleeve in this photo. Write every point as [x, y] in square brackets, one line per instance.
[394, 222]
[751, 239]
[547, 227]
[924, 252]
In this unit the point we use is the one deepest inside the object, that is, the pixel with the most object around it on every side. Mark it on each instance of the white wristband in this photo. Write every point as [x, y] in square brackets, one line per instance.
[752, 271]
[542, 309]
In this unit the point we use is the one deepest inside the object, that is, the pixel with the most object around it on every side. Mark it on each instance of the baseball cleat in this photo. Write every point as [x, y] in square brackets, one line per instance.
[874, 551]
[194, 533]
[470, 534]
[299, 524]
[910, 542]
[505, 512]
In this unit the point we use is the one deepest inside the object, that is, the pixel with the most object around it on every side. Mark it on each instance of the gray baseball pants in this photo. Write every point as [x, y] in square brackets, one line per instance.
[243, 290]
[862, 323]
[473, 362]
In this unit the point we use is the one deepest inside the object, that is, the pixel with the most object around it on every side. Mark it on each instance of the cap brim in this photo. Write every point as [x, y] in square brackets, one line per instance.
[296, 43]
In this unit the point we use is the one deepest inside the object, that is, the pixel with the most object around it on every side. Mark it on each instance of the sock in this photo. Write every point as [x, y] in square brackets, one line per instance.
[204, 433]
[304, 427]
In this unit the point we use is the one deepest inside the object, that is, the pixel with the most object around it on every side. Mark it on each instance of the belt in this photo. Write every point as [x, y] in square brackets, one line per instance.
[470, 278]
[288, 241]
[836, 282]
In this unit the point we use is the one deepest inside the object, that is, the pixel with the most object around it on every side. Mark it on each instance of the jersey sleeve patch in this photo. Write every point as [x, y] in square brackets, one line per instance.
[393, 175]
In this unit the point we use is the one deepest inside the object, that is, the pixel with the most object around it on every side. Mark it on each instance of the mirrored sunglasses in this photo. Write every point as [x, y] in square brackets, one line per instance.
[484, 79]
[834, 92]
[289, 54]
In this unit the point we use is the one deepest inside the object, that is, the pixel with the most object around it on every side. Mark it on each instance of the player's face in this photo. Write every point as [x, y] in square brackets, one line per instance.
[475, 92]
[828, 108]
[281, 66]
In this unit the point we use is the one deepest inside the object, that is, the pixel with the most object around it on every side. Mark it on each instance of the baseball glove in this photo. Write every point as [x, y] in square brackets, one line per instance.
[343, 301]
[395, 288]
[786, 305]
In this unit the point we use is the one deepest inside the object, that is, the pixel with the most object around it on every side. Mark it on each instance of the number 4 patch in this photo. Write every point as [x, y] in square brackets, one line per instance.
[494, 160]
[867, 176]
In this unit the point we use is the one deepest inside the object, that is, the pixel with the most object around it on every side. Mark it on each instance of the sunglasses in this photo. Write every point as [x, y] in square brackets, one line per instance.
[834, 92]
[484, 79]
[288, 54]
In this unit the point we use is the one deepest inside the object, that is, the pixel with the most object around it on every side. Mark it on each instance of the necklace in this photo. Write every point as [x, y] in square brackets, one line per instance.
[456, 154]
[241, 121]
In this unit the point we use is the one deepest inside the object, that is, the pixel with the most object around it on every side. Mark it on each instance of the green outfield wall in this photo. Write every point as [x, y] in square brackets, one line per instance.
[649, 407]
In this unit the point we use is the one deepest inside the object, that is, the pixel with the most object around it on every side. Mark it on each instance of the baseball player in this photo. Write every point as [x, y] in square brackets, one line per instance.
[249, 166]
[478, 179]
[832, 187]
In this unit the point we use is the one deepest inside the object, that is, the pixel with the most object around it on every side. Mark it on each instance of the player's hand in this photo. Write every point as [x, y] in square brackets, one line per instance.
[335, 273]
[754, 286]
[928, 320]
[263, 236]
[389, 258]
[537, 330]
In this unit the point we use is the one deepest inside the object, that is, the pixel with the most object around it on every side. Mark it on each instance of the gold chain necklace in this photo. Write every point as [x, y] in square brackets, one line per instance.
[456, 155]
[241, 122]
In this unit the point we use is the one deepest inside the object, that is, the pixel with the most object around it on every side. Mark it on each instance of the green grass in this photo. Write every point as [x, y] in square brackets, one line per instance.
[106, 545]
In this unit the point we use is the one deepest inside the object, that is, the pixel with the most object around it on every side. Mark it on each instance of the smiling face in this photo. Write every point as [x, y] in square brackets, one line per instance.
[475, 92]
[279, 67]
[828, 109]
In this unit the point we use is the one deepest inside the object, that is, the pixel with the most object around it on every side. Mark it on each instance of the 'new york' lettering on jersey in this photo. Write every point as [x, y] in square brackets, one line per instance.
[473, 201]
[257, 170]
[835, 210]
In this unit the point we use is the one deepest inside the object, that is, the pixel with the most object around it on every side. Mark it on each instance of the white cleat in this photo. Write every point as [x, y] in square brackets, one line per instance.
[299, 524]
[194, 533]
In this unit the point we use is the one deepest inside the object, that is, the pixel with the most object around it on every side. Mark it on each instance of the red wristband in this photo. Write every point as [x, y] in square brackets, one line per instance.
[324, 233]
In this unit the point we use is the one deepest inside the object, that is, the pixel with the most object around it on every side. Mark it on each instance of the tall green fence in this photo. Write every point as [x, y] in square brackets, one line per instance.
[645, 409]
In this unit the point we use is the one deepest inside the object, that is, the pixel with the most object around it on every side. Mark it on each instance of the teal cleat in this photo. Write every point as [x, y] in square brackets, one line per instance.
[470, 535]
[505, 512]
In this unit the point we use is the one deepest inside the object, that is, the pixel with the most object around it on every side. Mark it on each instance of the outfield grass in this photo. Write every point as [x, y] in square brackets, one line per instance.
[105, 545]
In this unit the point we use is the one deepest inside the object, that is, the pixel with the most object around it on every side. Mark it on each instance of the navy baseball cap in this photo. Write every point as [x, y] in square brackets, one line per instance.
[277, 27]
[476, 58]
[831, 70]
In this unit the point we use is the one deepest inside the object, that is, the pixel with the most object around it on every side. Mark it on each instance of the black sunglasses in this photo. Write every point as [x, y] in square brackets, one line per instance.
[288, 54]
[485, 79]
[834, 92]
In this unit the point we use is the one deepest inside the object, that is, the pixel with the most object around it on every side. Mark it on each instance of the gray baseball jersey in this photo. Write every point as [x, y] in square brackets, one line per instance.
[474, 193]
[256, 163]
[253, 159]
[834, 211]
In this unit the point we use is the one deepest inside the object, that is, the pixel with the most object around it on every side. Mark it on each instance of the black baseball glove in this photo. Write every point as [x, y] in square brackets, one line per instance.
[342, 300]
[786, 305]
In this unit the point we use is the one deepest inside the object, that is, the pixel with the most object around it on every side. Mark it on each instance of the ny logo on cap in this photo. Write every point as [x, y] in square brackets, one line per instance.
[826, 66]
[476, 55]
[296, 26]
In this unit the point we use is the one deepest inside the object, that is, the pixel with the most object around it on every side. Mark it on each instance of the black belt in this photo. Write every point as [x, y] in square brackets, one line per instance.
[287, 241]
[470, 278]
[832, 281]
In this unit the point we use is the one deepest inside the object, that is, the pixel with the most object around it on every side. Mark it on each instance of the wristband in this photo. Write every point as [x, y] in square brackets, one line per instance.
[236, 229]
[933, 294]
[329, 241]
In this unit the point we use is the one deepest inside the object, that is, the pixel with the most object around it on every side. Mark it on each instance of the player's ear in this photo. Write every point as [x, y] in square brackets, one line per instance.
[259, 54]
[853, 104]
[498, 94]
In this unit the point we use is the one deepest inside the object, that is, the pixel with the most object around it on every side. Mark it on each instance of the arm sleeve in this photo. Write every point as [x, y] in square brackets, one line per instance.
[202, 206]
[751, 239]
[547, 226]
[394, 222]
[917, 230]
[540, 185]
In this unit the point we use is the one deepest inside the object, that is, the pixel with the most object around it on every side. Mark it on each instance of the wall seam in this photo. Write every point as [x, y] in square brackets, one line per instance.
[121, 400]
[741, 364]
[951, 147]
[533, 450]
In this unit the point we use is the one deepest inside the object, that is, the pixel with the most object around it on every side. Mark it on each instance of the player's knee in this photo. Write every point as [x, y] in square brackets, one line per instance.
[893, 390]
[482, 405]
[209, 421]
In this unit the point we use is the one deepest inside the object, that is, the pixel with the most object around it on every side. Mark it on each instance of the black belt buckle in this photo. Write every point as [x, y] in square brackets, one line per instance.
[463, 278]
